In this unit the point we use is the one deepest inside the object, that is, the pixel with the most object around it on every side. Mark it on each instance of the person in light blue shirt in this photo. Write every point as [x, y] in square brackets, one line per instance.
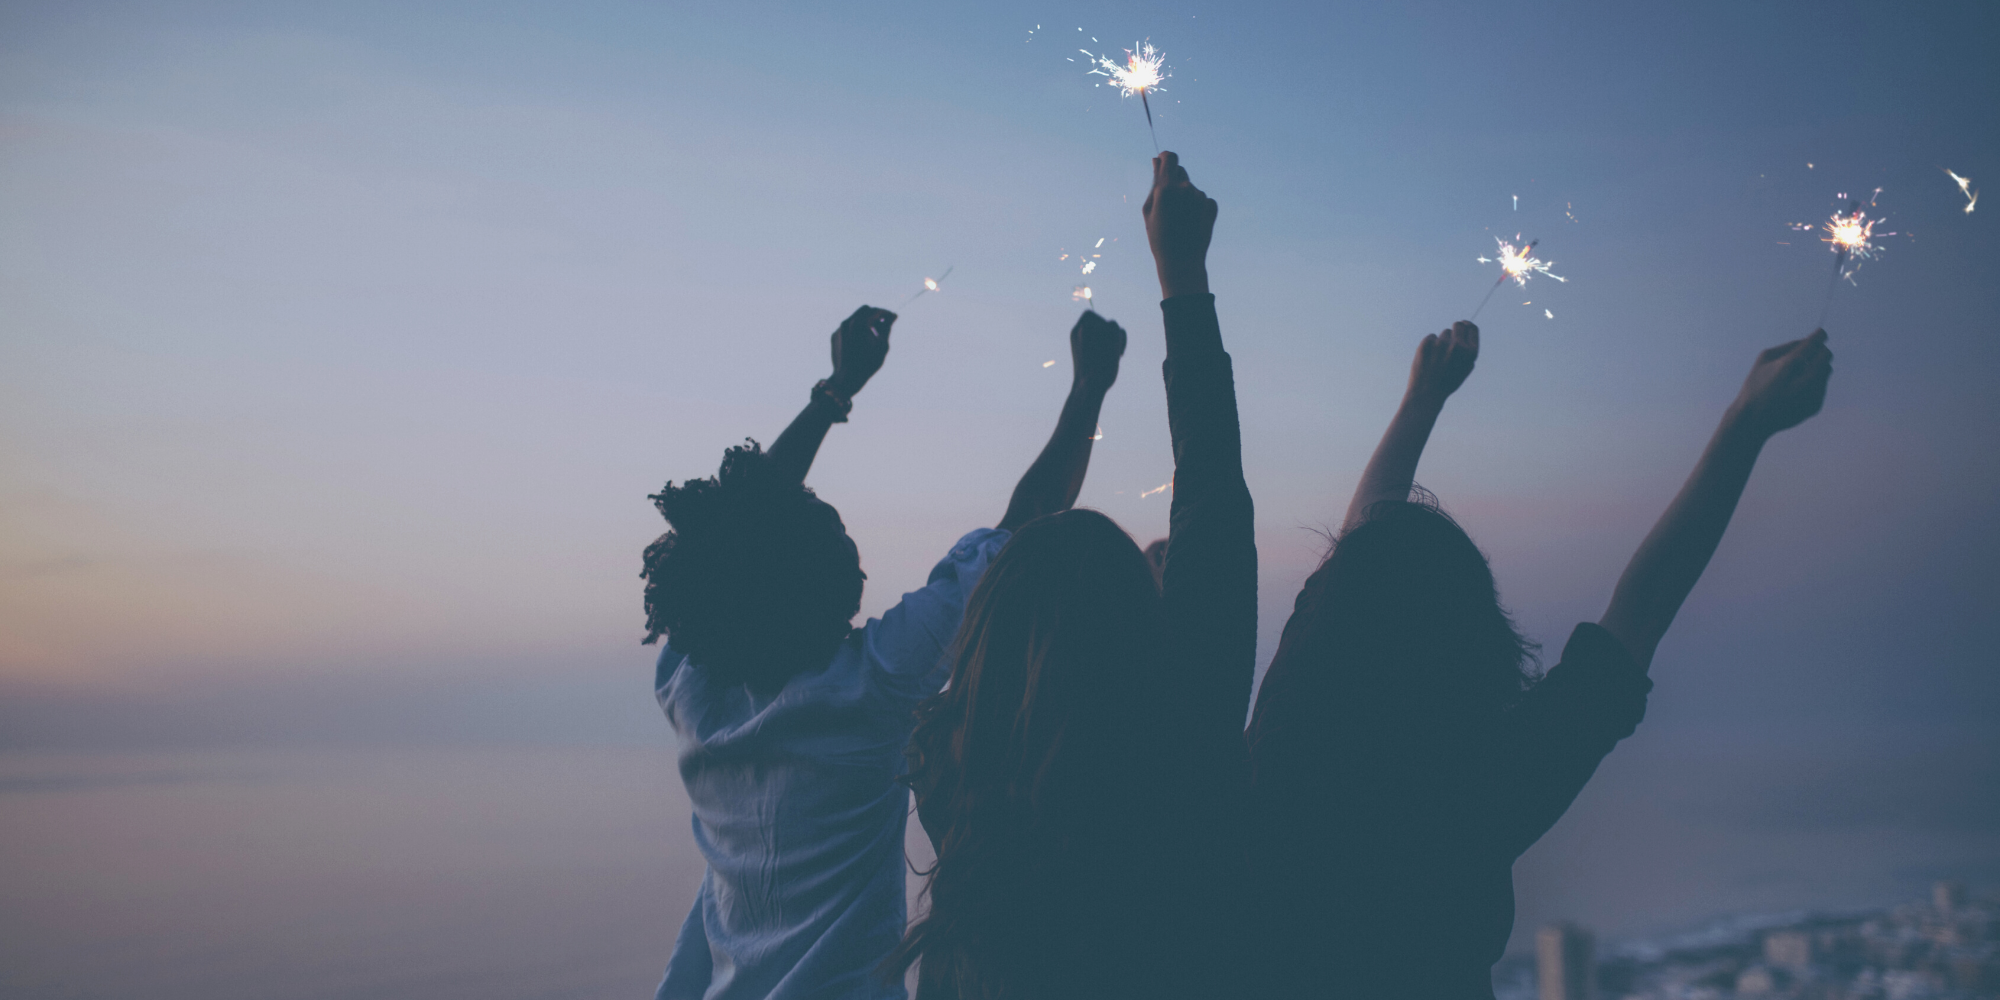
[791, 722]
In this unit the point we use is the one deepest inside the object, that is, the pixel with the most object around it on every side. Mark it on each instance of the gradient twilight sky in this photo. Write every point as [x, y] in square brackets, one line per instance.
[341, 343]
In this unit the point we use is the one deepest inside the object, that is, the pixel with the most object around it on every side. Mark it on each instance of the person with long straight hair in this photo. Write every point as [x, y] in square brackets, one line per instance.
[1080, 774]
[1404, 754]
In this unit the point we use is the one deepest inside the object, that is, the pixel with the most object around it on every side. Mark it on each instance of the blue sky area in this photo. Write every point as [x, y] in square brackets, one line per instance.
[340, 345]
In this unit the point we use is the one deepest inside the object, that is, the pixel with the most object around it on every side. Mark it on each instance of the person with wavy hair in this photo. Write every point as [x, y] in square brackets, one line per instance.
[1080, 775]
[792, 722]
[1404, 752]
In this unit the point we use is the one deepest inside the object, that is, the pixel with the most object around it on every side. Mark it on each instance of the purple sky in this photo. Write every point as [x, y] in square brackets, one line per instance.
[340, 344]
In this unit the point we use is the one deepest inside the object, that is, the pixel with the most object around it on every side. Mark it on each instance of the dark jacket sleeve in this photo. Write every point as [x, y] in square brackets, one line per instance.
[1563, 727]
[1209, 584]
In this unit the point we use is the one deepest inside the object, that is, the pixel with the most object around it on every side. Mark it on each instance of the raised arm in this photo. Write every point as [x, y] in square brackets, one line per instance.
[1786, 386]
[1056, 477]
[859, 346]
[1443, 361]
[1209, 581]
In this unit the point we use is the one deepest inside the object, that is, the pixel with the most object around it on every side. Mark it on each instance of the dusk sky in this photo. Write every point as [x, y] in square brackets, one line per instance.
[340, 345]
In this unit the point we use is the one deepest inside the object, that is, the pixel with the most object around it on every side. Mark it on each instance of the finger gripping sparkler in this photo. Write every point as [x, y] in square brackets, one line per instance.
[1140, 74]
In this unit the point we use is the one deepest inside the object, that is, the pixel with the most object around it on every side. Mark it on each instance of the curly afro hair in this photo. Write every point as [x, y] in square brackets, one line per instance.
[756, 579]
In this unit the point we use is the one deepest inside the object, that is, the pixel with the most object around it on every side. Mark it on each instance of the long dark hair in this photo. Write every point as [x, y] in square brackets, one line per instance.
[1399, 636]
[1045, 744]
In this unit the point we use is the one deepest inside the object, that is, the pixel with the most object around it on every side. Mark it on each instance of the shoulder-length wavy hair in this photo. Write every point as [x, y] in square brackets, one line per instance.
[1044, 745]
[1400, 631]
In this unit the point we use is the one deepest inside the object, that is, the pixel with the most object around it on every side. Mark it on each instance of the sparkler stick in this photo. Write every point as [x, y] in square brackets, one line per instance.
[1850, 235]
[1140, 74]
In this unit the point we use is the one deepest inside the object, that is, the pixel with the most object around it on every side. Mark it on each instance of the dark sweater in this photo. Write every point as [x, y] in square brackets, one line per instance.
[1386, 845]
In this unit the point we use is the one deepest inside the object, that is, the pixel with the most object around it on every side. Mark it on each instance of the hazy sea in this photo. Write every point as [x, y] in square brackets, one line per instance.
[314, 873]
[562, 873]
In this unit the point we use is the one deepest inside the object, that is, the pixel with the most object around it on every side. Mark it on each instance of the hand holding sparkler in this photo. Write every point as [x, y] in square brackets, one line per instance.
[1055, 478]
[1443, 362]
[1180, 221]
[1095, 345]
[1785, 386]
[859, 347]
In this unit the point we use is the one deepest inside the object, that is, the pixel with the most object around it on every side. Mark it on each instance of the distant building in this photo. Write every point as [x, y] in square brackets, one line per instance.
[1788, 950]
[1566, 963]
[1755, 981]
[1947, 896]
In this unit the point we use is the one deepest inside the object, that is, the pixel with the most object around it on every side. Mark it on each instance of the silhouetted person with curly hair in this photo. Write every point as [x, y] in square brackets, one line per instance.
[1403, 753]
[791, 721]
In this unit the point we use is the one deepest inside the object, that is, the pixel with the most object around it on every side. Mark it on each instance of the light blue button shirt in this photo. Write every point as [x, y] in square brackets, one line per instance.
[797, 809]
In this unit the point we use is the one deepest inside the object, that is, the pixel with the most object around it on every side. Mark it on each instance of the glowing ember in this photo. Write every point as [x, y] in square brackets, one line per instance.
[930, 285]
[1089, 266]
[1080, 293]
[1519, 265]
[1851, 236]
[1964, 188]
[1162, 488]
[1099, 436]
[1050, 363]
[1140, 74]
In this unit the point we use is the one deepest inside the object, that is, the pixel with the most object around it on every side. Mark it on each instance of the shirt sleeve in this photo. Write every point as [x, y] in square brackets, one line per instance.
[1209, 584]
[905, 647]
[1563, 727]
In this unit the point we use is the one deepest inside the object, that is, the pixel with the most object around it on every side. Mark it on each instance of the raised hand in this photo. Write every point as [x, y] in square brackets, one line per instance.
[859, 347]
[1786, 386]
[1180, 221]
[1443, 361]
[1095, 345]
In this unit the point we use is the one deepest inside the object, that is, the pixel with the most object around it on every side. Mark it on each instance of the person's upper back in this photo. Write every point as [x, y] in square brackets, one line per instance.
[796, 807]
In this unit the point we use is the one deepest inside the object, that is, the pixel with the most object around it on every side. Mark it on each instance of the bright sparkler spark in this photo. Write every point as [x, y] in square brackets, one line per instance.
[1089, 266]
[930, 285]
[1099, 436]
[1162, 488]
[1080, 293]
[1964, 188]
[1050, 363]
[1851, 236]
[1141, 73]
[1520, 265]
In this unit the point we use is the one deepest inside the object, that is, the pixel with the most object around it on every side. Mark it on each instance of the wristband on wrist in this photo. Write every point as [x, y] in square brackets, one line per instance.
[824, 394]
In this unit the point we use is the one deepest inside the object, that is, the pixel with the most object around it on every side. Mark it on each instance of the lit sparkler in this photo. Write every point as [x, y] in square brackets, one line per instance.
[1140, 74]
[1851, 235]
[1964, 188]
[930, 285]
[1162, 488]
[1081, 293]
[1519, 265]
